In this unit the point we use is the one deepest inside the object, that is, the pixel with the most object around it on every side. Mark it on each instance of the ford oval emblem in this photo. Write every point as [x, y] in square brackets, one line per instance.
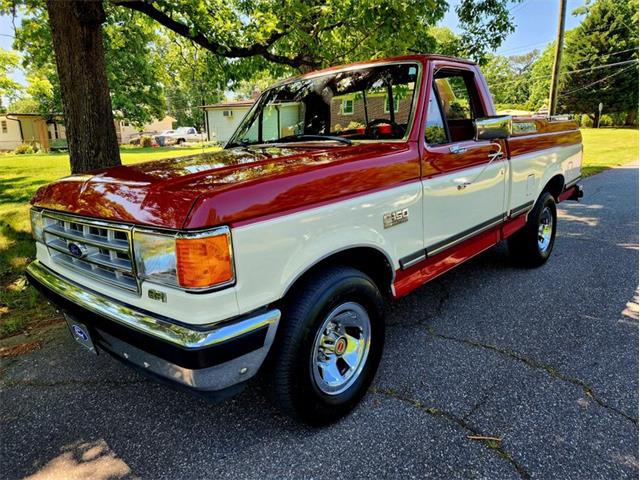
[80, 333]
[76, 250]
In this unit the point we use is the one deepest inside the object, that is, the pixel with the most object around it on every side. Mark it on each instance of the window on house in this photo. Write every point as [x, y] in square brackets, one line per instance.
[347, 106]
[434, 131]
[4, 126]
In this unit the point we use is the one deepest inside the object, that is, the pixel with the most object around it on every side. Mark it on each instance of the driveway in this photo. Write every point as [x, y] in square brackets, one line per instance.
[544, 361]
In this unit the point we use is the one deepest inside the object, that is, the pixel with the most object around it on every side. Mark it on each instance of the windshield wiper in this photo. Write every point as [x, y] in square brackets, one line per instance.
[239, 143]
[303, 137]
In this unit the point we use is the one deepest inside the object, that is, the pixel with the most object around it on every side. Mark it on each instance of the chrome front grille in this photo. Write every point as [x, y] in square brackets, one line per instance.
[98, 249]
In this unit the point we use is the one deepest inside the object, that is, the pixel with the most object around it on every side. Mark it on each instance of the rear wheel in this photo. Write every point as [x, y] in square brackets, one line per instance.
[532, 246]
[328, 346]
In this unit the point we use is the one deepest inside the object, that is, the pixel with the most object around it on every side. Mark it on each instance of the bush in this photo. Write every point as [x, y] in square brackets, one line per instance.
[58, 145]
[24, 149]
[585, 121]
[146, 141]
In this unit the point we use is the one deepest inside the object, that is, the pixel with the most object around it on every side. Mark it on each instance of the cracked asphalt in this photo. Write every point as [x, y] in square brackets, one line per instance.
[489, 372]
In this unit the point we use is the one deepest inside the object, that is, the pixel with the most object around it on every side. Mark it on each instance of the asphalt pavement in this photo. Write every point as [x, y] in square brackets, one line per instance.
[490, 371]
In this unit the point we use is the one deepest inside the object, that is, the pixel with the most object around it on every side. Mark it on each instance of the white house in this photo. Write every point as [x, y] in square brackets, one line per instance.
[222, 119]
[31, 128]
[35, 129]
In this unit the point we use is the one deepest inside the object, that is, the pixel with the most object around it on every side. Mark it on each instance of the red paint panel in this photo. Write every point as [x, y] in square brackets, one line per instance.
[416, 276]
[513, 225]
[519, 145]
[567, 193]
[329, 176]
[232, 185]
[408, 280]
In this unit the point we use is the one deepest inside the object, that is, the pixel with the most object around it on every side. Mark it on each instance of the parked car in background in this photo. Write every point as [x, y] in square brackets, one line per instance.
[178, 136]
[160, 138]
[278, 252]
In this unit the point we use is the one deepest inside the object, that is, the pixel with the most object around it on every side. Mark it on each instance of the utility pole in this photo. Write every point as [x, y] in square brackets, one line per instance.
[555, 74]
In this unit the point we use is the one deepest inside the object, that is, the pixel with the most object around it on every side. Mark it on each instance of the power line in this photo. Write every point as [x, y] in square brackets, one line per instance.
[598, 67]
[518, 6]
[597, 81]
[610, 54]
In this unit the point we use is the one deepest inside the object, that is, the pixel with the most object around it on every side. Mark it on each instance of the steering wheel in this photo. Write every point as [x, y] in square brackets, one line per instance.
[396, 128]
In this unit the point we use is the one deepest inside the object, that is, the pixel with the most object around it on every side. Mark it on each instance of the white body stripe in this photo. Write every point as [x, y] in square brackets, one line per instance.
[532, 171]
[271, 254]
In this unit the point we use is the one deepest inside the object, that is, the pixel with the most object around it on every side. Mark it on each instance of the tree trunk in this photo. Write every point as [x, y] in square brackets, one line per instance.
[76, 30]
[631, 118]
[596, 119]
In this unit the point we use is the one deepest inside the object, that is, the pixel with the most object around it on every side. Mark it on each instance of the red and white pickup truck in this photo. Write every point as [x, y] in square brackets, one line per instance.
[340, 189]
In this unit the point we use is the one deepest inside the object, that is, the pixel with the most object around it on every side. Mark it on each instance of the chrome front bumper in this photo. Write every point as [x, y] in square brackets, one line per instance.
[209, 358]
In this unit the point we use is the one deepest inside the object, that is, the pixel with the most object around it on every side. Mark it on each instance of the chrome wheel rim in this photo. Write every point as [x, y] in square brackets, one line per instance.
[341, 348]
[545, 230]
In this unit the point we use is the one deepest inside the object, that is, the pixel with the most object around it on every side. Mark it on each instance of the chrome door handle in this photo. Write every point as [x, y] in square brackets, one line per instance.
[457, 149]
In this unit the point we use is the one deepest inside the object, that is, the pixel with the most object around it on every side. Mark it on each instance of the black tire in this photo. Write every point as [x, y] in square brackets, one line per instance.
[290, 368]
[524, 246]
[180, 141]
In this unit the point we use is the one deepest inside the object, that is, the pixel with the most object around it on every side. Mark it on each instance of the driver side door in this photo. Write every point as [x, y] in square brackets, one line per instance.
[463, 179]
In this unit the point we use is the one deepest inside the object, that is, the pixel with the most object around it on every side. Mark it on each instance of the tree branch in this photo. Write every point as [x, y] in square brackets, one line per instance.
[257, 49]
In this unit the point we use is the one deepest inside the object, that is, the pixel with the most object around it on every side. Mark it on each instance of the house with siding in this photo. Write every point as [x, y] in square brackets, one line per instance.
[41, 131]
[222, 119]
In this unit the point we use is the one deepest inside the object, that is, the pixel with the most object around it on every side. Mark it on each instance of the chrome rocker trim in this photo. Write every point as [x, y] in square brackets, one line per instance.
[216, 377]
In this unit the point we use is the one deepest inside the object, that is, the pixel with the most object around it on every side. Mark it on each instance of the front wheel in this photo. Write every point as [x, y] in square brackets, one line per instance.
[532, 246]
[328, 346]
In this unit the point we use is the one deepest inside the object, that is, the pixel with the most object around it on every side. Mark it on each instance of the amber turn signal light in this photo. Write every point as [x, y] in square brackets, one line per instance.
[203, 262]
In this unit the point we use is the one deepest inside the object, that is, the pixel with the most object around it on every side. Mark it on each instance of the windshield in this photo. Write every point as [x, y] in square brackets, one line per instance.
[373, 103]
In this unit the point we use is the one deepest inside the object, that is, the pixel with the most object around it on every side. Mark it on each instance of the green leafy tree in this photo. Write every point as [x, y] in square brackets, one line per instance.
[281, 37]
[133, 69]
[608, 34]
[308, 34]
[509, 78]
[191, 77]
[9, 88]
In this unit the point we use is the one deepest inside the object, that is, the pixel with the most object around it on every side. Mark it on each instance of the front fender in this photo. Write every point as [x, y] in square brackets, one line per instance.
[271, 255]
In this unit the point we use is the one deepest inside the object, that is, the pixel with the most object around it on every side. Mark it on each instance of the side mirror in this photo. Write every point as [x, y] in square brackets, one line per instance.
[493, 128]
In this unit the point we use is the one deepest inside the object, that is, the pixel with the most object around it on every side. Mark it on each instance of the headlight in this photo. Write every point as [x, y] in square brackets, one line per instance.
[37, 225]
[191, 261]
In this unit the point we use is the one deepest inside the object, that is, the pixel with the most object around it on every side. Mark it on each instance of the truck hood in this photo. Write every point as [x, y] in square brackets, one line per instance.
[163, 193]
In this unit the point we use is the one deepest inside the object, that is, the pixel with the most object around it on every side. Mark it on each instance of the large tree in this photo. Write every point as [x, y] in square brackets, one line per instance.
[608, 35]
[76, 31]
[281, 37]
[134, 68]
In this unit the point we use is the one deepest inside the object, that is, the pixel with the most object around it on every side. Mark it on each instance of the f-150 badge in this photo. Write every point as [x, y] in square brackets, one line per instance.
[392, 219]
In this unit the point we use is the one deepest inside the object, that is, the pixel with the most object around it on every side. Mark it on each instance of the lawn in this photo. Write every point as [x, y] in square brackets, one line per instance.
[608, 147]
[21, 175]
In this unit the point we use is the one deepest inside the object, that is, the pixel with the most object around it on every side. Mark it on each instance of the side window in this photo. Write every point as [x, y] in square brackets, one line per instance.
[434, 131]
[455, 98]
[459, 102]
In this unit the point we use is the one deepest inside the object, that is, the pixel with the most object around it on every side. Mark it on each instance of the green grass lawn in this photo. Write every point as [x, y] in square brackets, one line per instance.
[21, 175]
[608, 147]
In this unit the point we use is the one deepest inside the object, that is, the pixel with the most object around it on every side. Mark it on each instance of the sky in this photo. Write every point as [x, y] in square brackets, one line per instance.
[536, 25]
